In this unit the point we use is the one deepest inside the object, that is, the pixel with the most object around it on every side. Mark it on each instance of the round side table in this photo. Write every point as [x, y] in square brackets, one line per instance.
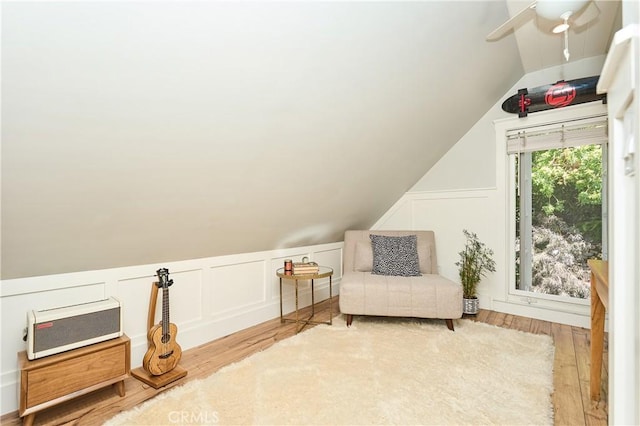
[323, 272]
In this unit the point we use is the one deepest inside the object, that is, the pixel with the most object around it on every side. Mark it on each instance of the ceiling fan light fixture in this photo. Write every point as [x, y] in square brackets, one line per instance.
[560, 28]
[551, 11]
[554, 9]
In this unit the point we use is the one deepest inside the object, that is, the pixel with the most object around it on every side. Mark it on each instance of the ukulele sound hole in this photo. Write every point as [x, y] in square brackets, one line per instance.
[165, 338]
[165, 356]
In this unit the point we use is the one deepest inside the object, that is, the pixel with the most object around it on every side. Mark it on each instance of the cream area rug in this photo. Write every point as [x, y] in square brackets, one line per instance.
[378, 371]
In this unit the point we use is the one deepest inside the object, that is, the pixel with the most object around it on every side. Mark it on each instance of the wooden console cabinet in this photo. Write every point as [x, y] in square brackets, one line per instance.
[48, 381]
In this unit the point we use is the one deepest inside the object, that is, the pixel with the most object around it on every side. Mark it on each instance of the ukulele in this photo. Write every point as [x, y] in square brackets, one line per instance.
[164, 352]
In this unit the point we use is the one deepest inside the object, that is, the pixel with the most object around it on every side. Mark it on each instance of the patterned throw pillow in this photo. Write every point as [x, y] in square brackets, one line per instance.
[396, 256]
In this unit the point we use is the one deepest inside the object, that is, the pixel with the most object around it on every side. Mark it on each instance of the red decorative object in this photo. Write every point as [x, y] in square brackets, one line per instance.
[550, 96]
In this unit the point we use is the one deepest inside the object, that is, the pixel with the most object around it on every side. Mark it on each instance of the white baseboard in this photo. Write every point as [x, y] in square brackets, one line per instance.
[541, 313]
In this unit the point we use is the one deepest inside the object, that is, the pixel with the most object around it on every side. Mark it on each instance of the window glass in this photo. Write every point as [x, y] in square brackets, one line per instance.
[559, 218]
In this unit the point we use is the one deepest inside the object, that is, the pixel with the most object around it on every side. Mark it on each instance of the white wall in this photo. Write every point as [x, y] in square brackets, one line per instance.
[630, 12]
[127, 124]
[467, 189]
[621, 81]
[210, 298]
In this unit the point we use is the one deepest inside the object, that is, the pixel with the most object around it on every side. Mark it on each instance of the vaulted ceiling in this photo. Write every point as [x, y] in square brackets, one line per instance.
[145, 132]
[540, 48]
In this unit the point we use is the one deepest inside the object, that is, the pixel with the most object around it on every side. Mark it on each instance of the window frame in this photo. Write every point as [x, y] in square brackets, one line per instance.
[560, 304]
[526, 226]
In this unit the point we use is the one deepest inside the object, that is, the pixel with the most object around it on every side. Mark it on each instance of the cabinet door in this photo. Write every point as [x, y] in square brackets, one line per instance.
[75, 374]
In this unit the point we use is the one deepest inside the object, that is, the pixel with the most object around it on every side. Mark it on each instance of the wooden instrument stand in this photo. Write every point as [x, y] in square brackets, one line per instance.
[143, 375]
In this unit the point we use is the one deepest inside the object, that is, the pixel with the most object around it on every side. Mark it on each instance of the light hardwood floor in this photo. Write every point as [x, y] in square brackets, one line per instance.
[571, 371]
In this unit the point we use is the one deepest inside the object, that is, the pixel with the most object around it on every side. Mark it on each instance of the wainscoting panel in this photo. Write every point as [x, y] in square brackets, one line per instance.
[237, 287]
[272, 280]
[186, 309]
[331, 258]
[133, 294]
[448, 216]
[210, 298]
[447, 213]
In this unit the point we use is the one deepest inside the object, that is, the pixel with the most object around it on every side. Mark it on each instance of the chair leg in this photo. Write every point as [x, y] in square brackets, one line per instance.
[349, 319]
[450, 324]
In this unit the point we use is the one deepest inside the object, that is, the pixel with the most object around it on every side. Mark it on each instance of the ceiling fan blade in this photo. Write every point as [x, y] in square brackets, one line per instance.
[514, 22]
[590, 13]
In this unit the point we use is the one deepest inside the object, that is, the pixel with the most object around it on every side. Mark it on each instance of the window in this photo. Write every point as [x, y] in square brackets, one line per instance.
[560, 209]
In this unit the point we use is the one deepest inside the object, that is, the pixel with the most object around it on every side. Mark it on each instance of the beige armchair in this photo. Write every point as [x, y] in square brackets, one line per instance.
[421, 294]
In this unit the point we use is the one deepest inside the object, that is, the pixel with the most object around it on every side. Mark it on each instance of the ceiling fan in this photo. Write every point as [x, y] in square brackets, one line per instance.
[564, 12]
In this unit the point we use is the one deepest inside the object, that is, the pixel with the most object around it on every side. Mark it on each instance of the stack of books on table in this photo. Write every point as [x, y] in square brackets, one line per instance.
[305, 268]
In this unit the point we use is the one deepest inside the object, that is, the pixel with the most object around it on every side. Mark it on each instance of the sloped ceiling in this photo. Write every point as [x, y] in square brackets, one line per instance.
[136, 133]
[540, 48]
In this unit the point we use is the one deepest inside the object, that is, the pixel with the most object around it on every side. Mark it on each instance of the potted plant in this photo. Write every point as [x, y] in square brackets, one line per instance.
[475, 261]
